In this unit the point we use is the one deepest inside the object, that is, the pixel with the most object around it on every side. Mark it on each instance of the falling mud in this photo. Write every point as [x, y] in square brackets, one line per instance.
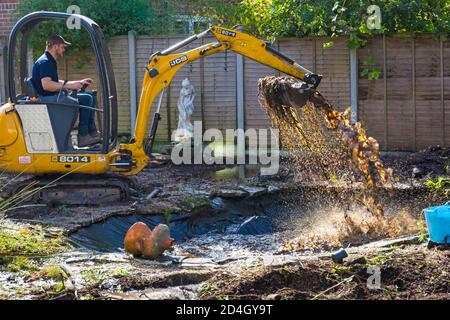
[335, 228]
[332, 149]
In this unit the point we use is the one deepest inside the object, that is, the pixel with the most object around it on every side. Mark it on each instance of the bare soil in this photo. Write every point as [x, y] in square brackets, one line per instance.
[407, 272]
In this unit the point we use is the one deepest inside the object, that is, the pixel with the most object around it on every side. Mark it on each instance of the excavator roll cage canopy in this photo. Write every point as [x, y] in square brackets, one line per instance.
[25, 26]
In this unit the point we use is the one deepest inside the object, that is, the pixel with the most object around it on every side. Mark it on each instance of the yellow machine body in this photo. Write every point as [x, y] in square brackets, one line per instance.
[14, 156]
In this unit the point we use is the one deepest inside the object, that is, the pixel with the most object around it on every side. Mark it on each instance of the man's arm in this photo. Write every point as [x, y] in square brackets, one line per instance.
[53, 86]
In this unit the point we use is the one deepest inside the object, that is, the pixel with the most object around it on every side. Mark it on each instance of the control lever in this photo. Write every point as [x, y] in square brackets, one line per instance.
[60, 90]
[83, 88]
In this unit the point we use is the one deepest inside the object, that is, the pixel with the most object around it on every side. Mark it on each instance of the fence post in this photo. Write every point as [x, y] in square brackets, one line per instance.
[169, 116]
[202, 90]
[354, 84]
[240, 112]
[30, 61]
[132, 78]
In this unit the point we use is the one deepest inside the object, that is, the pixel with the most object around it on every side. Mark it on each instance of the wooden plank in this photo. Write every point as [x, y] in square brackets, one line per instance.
[399, 85]
[371, 93]
[385, 100]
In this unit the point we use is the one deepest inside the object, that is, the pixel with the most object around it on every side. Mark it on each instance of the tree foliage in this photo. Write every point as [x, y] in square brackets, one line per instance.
[303, 18]
[115, 17]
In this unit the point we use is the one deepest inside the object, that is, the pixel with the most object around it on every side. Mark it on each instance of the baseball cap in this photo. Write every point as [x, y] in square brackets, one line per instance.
[57, 39]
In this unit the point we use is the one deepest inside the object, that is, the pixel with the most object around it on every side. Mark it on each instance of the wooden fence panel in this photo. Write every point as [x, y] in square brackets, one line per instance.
[371, 93]
[399, 86]
[219, 90]
[255, 116]
[428, 98]
[414, 107]
[214, 83]
[120, 61]
[446, 80]
[145, 47]
[300, 50]
[334, 64]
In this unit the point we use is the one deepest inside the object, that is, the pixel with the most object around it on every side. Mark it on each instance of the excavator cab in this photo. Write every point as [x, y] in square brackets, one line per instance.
[47, 126]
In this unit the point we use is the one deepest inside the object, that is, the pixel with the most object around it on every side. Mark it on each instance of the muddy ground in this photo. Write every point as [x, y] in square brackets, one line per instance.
[409, 270]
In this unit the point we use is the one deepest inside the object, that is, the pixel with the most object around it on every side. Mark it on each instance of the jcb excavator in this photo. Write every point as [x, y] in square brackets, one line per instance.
[35, 136]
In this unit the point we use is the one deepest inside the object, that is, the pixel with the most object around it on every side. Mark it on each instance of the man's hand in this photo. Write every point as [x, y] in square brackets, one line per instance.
[77, 85]
[87, 81]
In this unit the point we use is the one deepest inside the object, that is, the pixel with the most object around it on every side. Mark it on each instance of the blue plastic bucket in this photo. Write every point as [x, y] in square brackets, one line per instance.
[438, 223]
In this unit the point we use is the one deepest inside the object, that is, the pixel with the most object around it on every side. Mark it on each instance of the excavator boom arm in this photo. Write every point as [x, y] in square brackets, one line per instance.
[163, 66]
[262, 52]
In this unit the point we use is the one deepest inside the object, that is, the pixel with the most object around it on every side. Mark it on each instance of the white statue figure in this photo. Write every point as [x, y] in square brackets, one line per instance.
[185, 108]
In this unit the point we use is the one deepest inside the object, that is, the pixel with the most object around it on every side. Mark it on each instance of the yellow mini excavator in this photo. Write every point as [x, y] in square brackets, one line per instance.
[35, 136]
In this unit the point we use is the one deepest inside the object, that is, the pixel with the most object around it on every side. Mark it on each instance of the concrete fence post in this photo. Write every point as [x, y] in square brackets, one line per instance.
[354, 84]
[132, 78]
[240, 116]
[30, 60]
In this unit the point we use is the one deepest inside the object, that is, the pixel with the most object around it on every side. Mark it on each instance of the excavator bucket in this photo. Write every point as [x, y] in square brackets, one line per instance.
[280, 93]
[285, 91]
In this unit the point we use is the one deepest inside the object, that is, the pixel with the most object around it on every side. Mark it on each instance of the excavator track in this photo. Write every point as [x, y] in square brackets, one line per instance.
[70, 190]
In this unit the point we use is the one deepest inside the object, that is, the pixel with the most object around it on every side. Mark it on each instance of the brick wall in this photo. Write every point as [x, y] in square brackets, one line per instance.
[7, 20]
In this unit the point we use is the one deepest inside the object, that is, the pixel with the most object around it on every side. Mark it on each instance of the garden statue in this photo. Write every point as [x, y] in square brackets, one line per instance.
[140, 240]
[185, 108]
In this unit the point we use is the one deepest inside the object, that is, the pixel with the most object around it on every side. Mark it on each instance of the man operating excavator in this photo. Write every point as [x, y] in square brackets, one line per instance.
[35, 140]
[50, 89]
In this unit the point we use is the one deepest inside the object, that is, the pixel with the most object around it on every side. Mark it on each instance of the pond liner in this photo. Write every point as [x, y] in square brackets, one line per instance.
[108, 236]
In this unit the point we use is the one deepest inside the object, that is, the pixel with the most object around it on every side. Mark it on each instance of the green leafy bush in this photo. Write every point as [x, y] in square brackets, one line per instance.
[115, 17]
[276, 18]
[369, 70]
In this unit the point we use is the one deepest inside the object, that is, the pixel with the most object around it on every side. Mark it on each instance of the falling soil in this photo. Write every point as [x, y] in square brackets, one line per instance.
[333, 149]
[334, 228]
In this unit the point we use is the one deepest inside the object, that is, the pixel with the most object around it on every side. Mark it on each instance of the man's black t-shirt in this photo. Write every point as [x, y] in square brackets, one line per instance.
[44, 67]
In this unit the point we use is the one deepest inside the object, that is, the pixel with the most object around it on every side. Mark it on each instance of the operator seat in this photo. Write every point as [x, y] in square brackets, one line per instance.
[63, 115]
[29, 87]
